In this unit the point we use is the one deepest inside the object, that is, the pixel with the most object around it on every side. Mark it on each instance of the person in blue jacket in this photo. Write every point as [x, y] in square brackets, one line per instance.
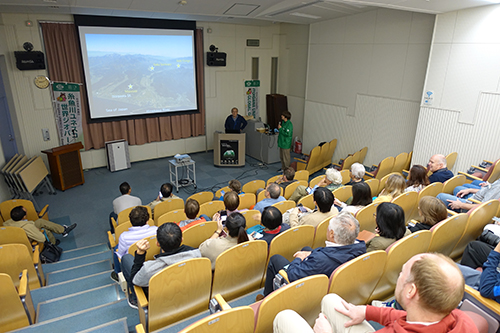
[341, 246]
[234, 122]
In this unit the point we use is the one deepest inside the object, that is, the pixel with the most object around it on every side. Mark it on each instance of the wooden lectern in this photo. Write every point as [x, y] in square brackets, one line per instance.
[66, 165]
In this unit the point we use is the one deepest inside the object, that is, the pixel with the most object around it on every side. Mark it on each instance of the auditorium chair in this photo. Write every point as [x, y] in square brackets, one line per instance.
[490, 174]
[346, 163]
[247, 200]
[307, 201]
[175, 293]
[283, 206]
[362, 155]
[325, 158]
[398, 253]
[249, 217]
[487, 308]
[239, 270]
[408, 163]
[366, 270]
[346, 176]
[343, 193]
[211, 207]
[366, 217]
[374, 185]
[383, 180]
[320, 233]
[198, 233]
[383, 168]
[291, 241]
[202, 197]
[123, 215]
[16, 258]
[451, 158]
[447, 233]
[16, 235]
[32, 214]
[292, 187]
[407, 201]
[167, 206]
[450, 184]
[240, 319]
[253, 185]
[430, 190]
[16, 305]
[302, 175]
[154, 248]
[479, 217]
[173, 216]
[312, 163]
[219, 194]
[273, 179]
[400, 162]
[315, 181]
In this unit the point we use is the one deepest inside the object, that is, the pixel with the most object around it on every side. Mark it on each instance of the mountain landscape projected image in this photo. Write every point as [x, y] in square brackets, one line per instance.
[133, 74]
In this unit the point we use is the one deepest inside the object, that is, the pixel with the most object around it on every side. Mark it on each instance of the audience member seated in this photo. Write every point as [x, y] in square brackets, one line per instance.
[390, 220]
[437, 165]
[394, 186]
[341, 246]
[231, 202]
[356, 173]
[191, 209]
[431, 211]
[323, 199]
[458, 203]
[272, 220]
[165, 194]
[18, 218]
[123, 202]
[235, 186]
[417, 179]
[287, 178]
[272, 196]
[137, 272]
[429, 288]
[140, 229]
[332, 181]
[220, 241]
[361, 197]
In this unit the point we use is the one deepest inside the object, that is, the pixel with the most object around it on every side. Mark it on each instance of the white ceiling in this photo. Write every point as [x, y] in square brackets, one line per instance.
[260, 12]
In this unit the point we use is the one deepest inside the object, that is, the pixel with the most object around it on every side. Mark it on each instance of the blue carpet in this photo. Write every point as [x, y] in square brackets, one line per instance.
[68, 242]
[73, 273]
[116, 326]
[69, 263]
[84, 251]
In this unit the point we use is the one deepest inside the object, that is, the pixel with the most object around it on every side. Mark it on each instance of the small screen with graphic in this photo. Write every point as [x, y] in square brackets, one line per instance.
[229, 152]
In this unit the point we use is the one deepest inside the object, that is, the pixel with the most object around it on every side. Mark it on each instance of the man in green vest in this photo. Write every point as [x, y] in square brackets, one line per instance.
[285, 128]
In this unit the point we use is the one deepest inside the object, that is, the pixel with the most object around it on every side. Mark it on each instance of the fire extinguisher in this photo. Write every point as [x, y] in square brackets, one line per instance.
[297, 146]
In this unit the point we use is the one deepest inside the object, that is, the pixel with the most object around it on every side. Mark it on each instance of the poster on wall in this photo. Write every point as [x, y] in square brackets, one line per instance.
[68, 111]
[252, 98]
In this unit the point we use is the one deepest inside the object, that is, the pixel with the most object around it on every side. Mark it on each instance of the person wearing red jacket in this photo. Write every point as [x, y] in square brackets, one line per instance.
[429, 288]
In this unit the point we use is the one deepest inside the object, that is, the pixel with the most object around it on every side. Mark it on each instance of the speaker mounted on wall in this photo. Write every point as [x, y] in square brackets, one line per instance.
[216, 58]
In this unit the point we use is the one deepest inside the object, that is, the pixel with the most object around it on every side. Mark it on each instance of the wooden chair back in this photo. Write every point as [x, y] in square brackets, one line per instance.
[15, 259]
[240, 319]
[320, 233]
[450, 184]
[407, 201]
[14, 235]
[14, 314]
[399, 162]
[314, 161]
[179, 291]
[385, 167]
[366, 217]
[331, 149]
[202, 197]
[303, 296]
[211, 207]
[451, 158]
[324, 152]
[272, 179]
[447, 233]
[315, 181]
[173, 216]
[349, 160]
[366, 270]
[343, 193]
[291, 241]
[493, 173]
[478, 218]
[197, 234]
[430, 190]
[307, 201]
[253, 185]
[239, 270]
[219, 194]
[32, 214]
[302, 175]
[154, 248]
[408, 161]
[362, 155]
[374, 186]
[346, 176]
[356, 156]
[167, 206]
[292, 187]
[397, 255]
[123, 215]
[283, 206]
[249, 217]
[247, 200]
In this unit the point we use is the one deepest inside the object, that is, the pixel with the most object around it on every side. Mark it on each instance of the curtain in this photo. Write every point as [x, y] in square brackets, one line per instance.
[65, 64]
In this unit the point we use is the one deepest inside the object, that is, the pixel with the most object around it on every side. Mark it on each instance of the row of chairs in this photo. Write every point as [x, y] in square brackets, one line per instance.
[357, 157]
[319, 157]
[31, 212]
[490, 173]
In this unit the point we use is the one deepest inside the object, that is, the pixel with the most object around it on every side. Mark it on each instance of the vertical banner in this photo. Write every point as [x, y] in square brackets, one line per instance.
[252, 98]
[68, 112]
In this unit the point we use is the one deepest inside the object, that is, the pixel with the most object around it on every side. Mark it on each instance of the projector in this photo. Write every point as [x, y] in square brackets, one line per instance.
[182, 158]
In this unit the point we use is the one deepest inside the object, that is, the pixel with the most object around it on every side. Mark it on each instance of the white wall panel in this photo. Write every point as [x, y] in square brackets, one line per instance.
[354, 74]
[360, 28]
[478, 25]
[392, 27]
[422, 26]
[328, 32]
[414, 71]
[325, 65]
[444, 27]
[387, 70]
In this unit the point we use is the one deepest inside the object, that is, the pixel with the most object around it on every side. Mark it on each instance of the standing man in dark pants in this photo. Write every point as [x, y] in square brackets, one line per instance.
[285, 128]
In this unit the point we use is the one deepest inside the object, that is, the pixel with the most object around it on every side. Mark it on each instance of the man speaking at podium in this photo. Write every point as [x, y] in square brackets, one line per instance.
[234, 122]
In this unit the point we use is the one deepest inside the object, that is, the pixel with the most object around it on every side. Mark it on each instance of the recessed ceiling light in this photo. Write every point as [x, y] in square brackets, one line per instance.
[306, 15]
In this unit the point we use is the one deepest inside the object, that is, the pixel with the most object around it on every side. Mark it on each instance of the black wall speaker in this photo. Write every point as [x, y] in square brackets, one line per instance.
[216, 59]
[29, 60]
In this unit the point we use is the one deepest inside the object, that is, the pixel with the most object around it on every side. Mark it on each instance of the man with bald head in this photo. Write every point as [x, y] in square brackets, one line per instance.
[429, 288]
[437, 165]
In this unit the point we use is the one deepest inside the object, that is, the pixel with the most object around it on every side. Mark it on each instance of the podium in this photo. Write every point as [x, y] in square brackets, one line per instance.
[66, 165]
[229, 149]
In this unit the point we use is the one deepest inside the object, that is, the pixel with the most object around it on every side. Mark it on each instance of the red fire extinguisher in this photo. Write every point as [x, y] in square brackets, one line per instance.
[297, 146]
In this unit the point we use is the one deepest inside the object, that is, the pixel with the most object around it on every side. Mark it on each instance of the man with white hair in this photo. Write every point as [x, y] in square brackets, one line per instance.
[357, 173]
[429, 288]
[332, 181]
[437, 165]
[341, 246]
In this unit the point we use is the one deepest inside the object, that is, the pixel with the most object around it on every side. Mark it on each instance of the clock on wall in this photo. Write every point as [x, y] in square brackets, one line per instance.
[42, 82]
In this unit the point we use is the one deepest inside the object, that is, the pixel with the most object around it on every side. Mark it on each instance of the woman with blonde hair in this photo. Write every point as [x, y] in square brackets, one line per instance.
[394, 186]
[431, 211]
